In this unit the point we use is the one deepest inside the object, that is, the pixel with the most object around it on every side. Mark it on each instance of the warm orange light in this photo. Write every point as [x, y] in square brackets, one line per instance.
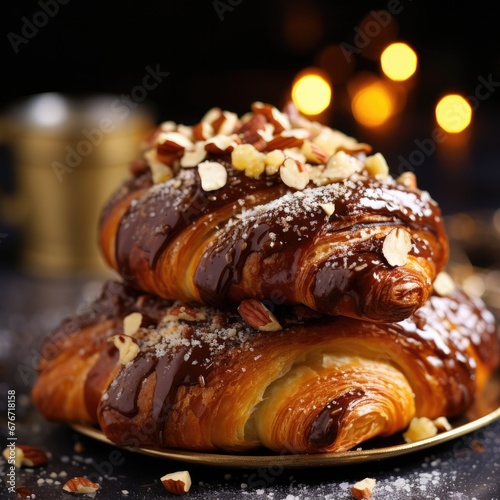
[311, 93]
[373, 104]
[453, 113]
[398, 61]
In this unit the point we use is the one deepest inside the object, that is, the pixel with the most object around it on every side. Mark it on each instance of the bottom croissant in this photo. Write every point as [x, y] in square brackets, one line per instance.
[155, 373]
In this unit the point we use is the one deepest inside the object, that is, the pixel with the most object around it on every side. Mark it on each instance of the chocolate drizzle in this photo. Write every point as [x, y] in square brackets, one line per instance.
[154, 221]
[325, 428]
[210, 352]
[291, 227]
[172, 373]
[222, 268]
[262, 216]
[184, 365]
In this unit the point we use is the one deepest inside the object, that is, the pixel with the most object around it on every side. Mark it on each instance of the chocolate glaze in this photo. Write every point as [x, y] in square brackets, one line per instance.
[123, 393]
[158, 218]
[179, 366]
[325, 428]
[288, 226]
[440, 337]
[266, 233]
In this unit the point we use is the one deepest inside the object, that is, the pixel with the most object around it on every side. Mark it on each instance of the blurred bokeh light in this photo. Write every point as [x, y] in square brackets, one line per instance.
[373, 103]
[398, 61]
[47, 110]
[311, 92]
[453, 113]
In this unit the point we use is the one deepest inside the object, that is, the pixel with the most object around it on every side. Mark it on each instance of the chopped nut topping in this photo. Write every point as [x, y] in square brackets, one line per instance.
[16, 454]
[26, 455]
[213, 175]
[126, 346]
[268, 133]
[191, 159]
[442, 424]
[341, 166]
[203, 131]
[259, 143]
[282, 142]
[178, 483]
[314, 153]
[248, 132]
[294, 174]
[212, 115]
[331, 140]
[160, 172]
[184, 312]
[171, 142]
[363, 489]
[279, 120]
[226, 124]
[420, 428]
[329, 208]
[168, 126]
[132, 323]
[221, 144]
[80, 485]
[298, 133]
[186, 130]
[258, 316]
[377, 166]
[355, 148]
[396, 247]
[407, 179]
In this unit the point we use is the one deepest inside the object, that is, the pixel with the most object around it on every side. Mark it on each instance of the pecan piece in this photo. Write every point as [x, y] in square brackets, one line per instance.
[258, 316]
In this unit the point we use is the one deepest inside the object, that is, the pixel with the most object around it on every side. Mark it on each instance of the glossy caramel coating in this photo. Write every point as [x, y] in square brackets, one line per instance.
[210, 382]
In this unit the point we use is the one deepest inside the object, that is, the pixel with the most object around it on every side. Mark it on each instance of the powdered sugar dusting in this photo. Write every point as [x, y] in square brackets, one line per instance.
[435, 477]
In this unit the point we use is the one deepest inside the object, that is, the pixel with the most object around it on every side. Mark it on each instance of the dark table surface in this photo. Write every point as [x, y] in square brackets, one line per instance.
[464, 468]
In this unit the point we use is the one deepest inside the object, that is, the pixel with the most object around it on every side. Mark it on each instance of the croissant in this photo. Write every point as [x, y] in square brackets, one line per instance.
[274, 207]
[152, 372]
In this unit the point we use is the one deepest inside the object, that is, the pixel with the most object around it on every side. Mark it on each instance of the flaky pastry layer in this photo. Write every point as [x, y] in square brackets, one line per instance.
[195, 378]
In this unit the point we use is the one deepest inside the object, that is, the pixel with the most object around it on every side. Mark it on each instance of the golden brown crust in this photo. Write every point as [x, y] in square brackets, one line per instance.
[208, 381]
[275, 207]
[252, 238]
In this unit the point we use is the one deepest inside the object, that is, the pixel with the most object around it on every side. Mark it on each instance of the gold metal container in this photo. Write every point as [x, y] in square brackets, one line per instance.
[69, 156]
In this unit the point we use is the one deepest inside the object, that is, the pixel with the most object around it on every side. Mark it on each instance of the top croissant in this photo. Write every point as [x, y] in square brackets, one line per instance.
[273, 206]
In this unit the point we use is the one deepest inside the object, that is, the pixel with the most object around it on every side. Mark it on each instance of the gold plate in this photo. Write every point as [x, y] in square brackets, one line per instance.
[485, 410]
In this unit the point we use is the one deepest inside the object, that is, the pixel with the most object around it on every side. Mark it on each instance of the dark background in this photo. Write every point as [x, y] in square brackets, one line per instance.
[252, 50]
[94, 47]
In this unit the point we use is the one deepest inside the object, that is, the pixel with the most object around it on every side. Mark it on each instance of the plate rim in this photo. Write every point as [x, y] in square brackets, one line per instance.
[295, 460]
